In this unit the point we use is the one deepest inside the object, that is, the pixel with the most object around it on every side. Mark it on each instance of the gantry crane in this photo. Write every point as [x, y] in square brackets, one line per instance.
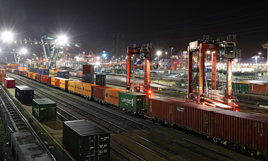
[145, 53]
[202, 54]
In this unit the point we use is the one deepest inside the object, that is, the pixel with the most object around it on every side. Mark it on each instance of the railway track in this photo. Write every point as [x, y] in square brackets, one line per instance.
[112, 119]
[20, 122]
[68, 106]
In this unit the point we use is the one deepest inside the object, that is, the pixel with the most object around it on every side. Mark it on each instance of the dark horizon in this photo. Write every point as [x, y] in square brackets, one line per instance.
[164, 23]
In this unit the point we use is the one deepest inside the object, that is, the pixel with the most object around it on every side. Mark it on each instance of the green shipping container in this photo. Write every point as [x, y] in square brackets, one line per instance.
[132, 101]
[44, 109]
[241, 87]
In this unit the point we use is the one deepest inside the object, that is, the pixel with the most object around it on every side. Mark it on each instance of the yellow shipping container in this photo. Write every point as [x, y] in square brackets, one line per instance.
[64, 84]
[53, 81]
[87, 89]
[78, 87]
[112, 95]
[52, 72]
[71, 86]
[34, 75]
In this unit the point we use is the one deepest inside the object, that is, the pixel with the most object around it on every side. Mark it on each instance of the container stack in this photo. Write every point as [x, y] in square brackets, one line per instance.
[44, 71]
[101, 79]
[63, 74]
[9, 82]
[88, 74]
[2, 75]
[44, 109]
[34, 70]
[86, 141]
[24, 94]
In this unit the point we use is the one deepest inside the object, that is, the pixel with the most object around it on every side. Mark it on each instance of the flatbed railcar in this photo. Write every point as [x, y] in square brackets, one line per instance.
[243, 131]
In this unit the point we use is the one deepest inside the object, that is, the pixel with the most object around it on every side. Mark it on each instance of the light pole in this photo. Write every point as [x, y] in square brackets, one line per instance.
[166, 54]
[171, 49]
[256, 61]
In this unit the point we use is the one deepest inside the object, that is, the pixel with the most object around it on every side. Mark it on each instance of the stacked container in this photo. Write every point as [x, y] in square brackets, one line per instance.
[2, 74]
[88, 74]
[24, 94]
[63, 74]
[44, 109]
[44, 71]
[86, 141]
[9, 82]
[101, 79]
[34, 70]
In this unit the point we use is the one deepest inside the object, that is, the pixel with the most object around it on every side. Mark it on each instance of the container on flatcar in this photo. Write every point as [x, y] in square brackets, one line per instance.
[99, 93]
[53, 81]
[258, 88]
[112, 96]
[64, 84]
[88, 90]
[57, 81]
[241, 87]
[135, 102]
[71, 86]
[24, 94]
[78, 87]
[195, 117]
[249, 130]
[162, 108]
[44, 109]
[9, 82]
[86, 141]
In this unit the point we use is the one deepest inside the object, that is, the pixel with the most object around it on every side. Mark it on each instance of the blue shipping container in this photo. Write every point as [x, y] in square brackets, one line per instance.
[44, 71]
[63, 74]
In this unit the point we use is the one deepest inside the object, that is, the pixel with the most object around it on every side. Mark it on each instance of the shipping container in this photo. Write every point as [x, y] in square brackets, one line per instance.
[112, 96]
[258, 89]
[57, 81]
[101, 79]
[88, 78]
[78, 87]
[86, 141]
[39, 77]
[195, 117]
[88, 90]
[44, 71]
[2, 72]
[53, 81]
[44, 109]
[64, 84]
[135, 102]
[22, 73]
[88, 69]
[162, 108]
[34, 70]
[99, 93]
[63, 74]
[9, 82]
[52, 72]
[71, 86]
[248, 130]
[23, 69]
[79, 74]
[241, 87]
[24, 94]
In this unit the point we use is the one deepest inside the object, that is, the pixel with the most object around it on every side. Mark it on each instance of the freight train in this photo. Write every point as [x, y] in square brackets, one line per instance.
[245, 132]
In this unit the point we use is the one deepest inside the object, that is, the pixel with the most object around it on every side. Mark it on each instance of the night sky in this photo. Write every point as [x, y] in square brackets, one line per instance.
[164, 23]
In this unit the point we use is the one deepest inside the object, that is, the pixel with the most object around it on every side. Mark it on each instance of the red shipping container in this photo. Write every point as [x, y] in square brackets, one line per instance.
[44, 78]
[88, 69]
[99, 93]
[162, 108]
[258, 88]
[39, 77]
[57, 81]
[242, 128]
[9, 83]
